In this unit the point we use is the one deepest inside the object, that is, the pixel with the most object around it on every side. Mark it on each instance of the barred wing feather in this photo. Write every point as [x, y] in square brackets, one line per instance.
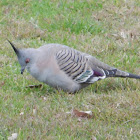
[76, 66]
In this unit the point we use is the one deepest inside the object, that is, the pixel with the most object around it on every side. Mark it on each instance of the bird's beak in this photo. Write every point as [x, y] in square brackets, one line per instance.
[22, 69]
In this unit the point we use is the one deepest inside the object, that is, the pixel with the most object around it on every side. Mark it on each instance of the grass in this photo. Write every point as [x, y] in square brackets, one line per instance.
[109, 30]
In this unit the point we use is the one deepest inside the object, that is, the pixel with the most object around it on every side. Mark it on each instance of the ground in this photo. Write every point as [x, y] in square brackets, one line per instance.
[109, 30]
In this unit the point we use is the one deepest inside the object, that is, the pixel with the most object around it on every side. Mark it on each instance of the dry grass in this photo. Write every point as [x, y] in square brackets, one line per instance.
[108, 30]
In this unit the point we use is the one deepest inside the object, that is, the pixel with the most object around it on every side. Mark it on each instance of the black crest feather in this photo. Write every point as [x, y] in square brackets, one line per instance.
[14, 48]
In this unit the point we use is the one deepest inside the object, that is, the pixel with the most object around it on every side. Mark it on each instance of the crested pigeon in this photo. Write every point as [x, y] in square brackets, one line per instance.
[65, 68]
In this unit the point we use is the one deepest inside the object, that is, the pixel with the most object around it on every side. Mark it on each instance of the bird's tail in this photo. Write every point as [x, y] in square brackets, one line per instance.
[134, 76]
[119, 73]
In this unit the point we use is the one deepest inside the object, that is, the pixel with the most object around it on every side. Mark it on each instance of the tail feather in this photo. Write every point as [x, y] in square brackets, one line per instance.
[119, 73]
[134, 76]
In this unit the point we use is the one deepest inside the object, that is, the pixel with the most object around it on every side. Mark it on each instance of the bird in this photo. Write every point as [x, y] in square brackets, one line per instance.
[65, 68]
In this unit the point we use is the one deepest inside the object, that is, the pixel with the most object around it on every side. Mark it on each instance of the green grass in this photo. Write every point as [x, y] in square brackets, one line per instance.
[108, 30]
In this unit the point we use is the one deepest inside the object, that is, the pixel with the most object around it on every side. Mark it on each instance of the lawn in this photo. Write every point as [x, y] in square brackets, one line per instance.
[109, 30]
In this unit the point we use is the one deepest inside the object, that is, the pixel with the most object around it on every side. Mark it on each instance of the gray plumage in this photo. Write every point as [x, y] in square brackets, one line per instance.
[65, 68]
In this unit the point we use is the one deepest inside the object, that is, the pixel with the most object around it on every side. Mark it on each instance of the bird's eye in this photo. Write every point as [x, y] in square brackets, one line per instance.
[27, 60]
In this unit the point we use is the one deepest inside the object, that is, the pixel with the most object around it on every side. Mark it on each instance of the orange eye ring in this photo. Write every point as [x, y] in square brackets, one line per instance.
[27, 60]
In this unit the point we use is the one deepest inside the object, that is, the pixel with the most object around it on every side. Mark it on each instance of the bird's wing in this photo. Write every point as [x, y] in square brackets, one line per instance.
[76, 65]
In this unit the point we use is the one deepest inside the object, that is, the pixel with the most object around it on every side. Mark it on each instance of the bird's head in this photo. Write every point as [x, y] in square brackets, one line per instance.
[23, 56]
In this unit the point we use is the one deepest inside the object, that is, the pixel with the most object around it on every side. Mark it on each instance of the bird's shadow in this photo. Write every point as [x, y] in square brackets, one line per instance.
[111, 85]
[99, 88]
